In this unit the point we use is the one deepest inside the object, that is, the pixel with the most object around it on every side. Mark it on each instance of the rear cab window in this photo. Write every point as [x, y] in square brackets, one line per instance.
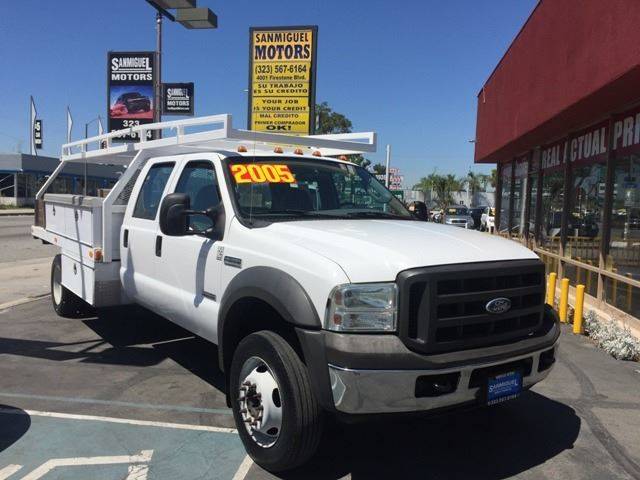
[150, 194]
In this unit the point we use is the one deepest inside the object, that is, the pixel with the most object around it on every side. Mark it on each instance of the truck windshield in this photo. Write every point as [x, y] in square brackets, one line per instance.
[282, 189]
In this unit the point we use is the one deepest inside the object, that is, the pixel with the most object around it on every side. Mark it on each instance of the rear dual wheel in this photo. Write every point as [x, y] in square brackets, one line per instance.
[276, 413]
[65, 302]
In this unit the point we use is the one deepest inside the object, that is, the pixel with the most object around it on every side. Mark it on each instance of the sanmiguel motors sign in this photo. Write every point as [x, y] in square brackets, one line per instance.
[282, 69]
[130, 96]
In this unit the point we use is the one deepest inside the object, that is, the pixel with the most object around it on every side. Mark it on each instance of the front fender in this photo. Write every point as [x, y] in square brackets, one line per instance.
[276, 288]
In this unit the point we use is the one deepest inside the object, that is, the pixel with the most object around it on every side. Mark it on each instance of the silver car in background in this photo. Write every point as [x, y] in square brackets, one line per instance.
[458, 216]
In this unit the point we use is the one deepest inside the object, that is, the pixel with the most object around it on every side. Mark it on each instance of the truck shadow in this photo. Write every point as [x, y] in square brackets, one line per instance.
[128, 329]
[488, 443]
[130, 336]
[14, 423]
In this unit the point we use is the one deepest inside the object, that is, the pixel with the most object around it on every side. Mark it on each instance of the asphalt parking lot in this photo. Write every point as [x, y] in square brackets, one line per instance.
[127, 394]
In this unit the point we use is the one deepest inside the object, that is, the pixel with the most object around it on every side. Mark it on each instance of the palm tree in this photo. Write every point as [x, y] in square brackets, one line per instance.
[441, 186]
[476, 182]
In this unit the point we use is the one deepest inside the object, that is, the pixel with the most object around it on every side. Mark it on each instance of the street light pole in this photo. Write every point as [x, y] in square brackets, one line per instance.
[157, 108]
[386, 170]
[189, 17]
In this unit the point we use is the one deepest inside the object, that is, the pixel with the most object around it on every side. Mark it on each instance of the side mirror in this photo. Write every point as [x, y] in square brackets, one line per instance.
[174, 216]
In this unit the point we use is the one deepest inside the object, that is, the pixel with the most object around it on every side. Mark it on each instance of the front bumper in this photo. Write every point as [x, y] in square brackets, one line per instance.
[373, 373]
[385, 391]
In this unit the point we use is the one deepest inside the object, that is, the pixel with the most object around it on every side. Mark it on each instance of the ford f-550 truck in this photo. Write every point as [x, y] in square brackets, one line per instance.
[323, 293]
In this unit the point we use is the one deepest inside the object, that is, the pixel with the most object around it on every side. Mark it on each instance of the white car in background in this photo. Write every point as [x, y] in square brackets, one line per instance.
[487, 221]
[458, 216]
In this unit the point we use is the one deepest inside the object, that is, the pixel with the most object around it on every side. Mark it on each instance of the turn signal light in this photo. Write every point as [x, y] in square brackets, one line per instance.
[317, 153]
[277, 150]
[242, 149]
[96, 254]
[298, 151]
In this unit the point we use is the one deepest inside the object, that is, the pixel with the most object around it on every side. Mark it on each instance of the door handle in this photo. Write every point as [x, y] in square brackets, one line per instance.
[125, 238]
[158, 246]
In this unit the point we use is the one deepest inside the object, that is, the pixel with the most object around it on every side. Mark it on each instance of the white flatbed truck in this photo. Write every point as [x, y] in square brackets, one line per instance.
[324, 294]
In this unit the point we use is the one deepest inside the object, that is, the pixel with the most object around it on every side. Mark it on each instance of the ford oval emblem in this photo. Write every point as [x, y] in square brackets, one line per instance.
[498, 305]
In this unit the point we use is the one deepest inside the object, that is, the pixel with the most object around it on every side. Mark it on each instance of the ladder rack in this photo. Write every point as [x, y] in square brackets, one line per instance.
[214, 133]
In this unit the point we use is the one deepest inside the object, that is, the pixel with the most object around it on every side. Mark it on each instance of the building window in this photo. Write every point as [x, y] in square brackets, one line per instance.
[552, 195]
[7, 181]
[624, 246]
[584, 222]
[519, 199]
[504, 202]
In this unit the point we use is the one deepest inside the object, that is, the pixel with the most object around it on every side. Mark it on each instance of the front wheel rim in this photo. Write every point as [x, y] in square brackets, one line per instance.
[260, 402]
[57, 285]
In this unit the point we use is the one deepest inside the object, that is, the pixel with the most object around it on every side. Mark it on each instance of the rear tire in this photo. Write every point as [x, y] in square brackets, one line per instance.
[277, 392]
[66, 303]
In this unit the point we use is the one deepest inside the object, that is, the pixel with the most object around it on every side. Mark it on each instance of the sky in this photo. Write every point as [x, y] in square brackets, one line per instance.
[409, 70]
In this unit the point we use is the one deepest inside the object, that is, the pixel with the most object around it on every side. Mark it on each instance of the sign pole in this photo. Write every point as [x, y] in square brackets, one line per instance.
[387, 174]
[157, 114]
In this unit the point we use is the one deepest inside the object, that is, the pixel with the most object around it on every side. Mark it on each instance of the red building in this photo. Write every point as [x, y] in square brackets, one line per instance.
[560, 116]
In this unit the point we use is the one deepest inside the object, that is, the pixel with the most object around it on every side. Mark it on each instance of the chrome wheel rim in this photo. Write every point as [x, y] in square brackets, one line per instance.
[57, 285]
[260, 403]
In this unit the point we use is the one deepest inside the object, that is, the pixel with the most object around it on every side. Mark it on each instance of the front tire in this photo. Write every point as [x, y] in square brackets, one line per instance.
[66, 303]
[277, 416]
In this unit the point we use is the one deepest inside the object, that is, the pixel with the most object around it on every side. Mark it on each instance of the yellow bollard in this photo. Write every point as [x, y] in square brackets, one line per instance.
[577, 312]
[564, 300]
[551, 288]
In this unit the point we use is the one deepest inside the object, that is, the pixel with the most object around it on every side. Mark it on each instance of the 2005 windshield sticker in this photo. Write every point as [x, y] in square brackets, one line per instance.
[261, 173]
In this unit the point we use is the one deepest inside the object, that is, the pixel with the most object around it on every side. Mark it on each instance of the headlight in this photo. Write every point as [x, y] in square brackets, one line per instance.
[364, 307]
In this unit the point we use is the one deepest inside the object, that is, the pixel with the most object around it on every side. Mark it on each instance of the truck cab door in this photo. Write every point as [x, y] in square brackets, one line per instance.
[139, 233]
[189, 273]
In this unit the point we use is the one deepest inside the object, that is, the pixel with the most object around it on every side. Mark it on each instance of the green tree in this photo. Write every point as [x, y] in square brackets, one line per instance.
[493, 178]
[476, 182]
[328, 121]
[379, 169]
[441, 187]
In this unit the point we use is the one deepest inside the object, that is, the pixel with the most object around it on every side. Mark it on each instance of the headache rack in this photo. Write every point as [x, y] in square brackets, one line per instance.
[213, 133]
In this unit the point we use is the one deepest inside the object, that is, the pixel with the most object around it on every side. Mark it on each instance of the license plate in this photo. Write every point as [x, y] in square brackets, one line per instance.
[503, 387]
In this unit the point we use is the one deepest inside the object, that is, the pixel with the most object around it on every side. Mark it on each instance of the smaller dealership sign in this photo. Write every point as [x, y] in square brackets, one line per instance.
[177, 98]
[130, 91]
[282, 71]
[37, 133]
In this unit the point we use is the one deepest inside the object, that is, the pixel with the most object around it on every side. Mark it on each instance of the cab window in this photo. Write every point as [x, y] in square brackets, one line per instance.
[198, 180]
[150, 194]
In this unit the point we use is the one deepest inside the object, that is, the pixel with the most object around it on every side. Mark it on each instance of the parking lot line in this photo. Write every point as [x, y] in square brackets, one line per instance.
[143, 457]
[118, 403]
[9, 470]
[148, 423]
[243, 469]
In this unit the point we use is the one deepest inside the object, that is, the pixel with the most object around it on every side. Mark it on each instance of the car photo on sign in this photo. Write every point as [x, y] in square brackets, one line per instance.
[131, 102]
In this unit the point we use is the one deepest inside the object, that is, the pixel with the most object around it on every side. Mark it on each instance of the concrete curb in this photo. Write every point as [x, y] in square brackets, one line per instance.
[15, 213]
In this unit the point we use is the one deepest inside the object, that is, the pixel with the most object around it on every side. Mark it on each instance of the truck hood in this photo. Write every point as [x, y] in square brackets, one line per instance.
[377, 250]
